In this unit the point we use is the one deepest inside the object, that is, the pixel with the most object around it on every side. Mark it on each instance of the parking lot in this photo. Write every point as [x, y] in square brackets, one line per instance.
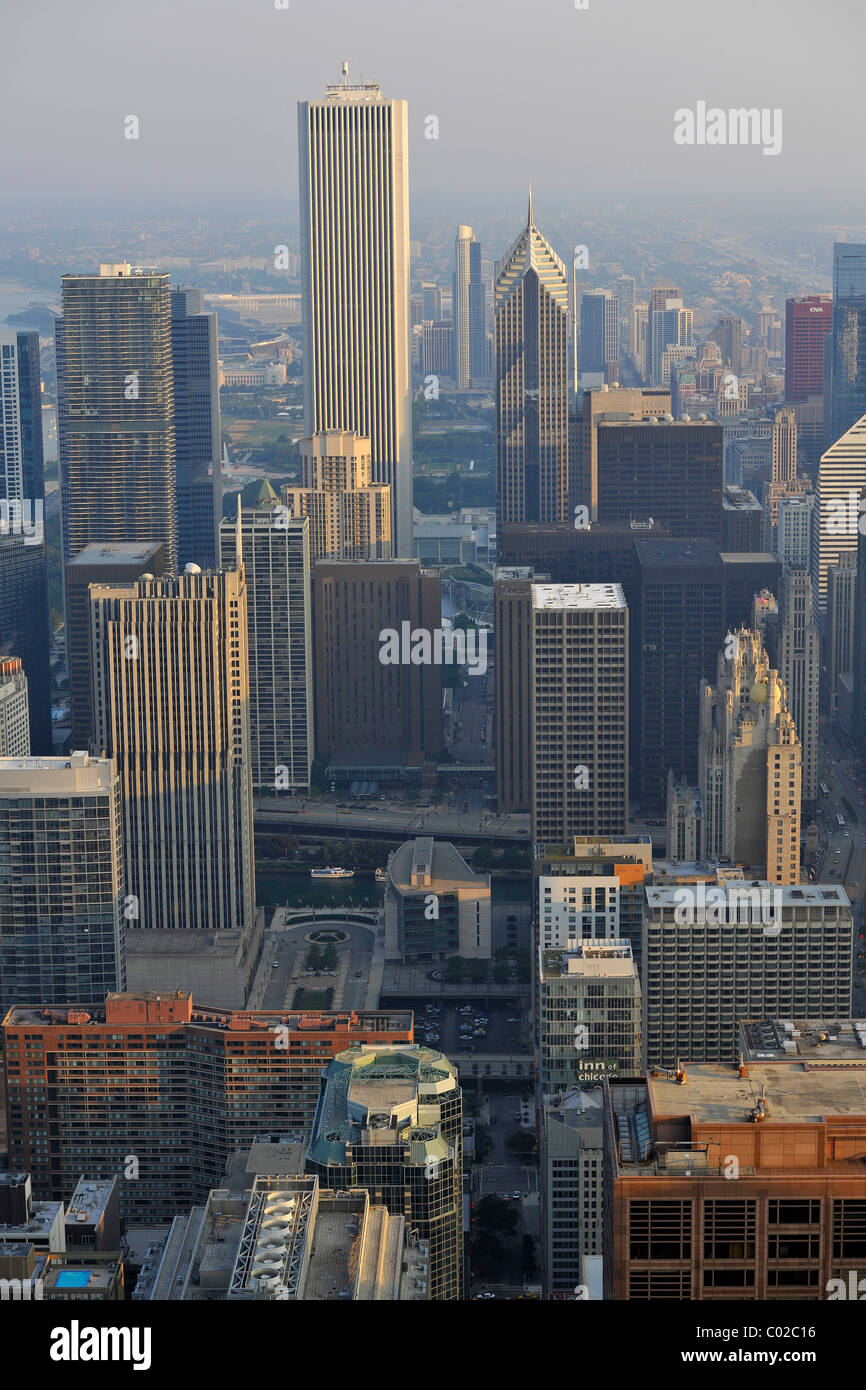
[459, 1027]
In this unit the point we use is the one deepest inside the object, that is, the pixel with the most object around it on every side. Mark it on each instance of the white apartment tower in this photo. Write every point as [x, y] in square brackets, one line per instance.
[171, 705]
[354, 214]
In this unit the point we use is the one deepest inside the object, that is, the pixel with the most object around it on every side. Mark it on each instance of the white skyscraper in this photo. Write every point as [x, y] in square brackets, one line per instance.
[354, 211]
[841, 480]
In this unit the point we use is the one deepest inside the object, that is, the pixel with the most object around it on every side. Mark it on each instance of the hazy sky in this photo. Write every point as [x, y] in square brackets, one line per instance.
[581, 102]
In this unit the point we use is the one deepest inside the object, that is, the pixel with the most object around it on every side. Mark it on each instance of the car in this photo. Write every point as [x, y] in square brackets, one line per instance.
[506, 1196]
[485, 1295]
[516, 1196]
[274, 964]
[513, 1020]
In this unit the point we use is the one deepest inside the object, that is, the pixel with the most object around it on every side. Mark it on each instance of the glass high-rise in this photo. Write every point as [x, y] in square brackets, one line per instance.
[115, 394]
[24, 623]
[848, 380]
[198, 485]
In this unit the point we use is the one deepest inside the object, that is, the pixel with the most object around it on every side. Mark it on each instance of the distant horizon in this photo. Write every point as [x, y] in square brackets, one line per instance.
[578, 100]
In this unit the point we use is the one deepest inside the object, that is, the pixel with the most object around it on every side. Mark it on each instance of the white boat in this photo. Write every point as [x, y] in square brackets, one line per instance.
[329, 872]
[381, 875]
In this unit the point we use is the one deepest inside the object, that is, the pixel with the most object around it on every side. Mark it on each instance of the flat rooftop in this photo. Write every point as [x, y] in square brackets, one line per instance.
[676, 552]
[89, 1200]
[130, 553]
[236, 1020]
[820, 1042]
[716, 1093]
[792, 895]
[36, 1227]
[580, 596]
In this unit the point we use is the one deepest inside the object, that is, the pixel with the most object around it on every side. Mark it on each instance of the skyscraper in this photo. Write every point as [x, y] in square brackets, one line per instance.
[750, 764]
[664, 470]
[171, 705]
[371, 712]
[571, 1160]
[532, 382]
[21, 467]
[677, 626]
[61, 881]
[599, 334]
[859, 700]
[835, 527]
[807, 322]
[198, 486]
[350, 516]
[390, 1119]
[848, 383]
[735, 951]
[840, 652]
[123, 562]
[14, 709]
[354, 211]
[115, 417]
[669, 324]
[276, 555]
[579, 711]
[728, 333]
[24, 626]
[795, 648]
[470, 338]
[512, 621]
[589, 1013]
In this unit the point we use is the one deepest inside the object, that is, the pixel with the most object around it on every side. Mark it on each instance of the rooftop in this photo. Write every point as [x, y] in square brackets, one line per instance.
[432, 864]
[716, 1093]
[791, 895]
[89, 1200]
[130, 553]
[581, 596]
[820, 1042]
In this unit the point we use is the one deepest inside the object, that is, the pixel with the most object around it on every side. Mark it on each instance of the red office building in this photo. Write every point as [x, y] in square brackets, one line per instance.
[807, 320]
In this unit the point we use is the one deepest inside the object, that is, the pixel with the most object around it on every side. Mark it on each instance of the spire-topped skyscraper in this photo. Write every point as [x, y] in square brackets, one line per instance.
[531, 300]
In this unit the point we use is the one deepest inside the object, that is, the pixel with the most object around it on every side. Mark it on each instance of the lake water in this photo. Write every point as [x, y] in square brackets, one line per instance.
[14, 298]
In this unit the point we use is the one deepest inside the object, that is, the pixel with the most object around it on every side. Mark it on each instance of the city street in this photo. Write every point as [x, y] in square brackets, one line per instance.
[843, 849]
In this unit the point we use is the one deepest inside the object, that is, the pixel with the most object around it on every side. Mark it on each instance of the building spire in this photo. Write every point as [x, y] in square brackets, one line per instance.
[529, 210]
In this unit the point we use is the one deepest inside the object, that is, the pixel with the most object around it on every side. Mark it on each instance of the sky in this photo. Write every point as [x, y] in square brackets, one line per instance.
[580, 102]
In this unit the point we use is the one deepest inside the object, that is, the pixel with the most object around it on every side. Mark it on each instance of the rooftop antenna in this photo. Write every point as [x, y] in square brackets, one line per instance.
[529, 211]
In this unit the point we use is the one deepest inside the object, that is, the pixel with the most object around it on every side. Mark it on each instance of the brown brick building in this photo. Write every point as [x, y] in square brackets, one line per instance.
[740, 1183]
[175, 1087]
